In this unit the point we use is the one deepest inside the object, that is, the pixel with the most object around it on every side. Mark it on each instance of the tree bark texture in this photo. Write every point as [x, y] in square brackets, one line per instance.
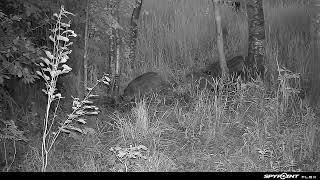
[112, 6]
[117, 55]
[85, 56]
[222, 58]
[256, 41]
[134, 31]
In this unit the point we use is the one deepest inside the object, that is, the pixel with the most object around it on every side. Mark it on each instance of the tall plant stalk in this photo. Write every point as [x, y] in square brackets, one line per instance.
[51, 67]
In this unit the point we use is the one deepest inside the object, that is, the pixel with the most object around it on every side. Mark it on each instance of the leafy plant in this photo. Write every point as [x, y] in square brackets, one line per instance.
[127, 155]
[10, 132]
[51, 67]
[17, 53]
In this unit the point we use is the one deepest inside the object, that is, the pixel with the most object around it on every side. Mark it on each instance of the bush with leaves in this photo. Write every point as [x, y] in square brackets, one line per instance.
[18, 56]
[17, 53]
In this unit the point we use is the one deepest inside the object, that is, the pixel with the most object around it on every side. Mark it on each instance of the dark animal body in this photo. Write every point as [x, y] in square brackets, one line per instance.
[143, 85]
[204, 79]
[235, 66]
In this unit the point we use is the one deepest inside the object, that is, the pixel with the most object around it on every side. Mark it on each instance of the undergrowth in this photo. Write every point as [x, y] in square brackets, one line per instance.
[244, 129]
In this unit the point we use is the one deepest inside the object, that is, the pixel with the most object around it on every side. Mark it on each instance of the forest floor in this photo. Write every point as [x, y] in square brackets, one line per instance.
[247, 129]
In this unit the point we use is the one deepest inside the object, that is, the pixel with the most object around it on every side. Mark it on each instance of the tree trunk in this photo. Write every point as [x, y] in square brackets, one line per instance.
[134, 31]
[117, 66]
[111, 55]
[112, 48]
[222, 58]
[85, 56]
[256, 42]
[115, 88]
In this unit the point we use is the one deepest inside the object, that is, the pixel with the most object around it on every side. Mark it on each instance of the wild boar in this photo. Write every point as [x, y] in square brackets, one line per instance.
[144, 84]
[235, 66]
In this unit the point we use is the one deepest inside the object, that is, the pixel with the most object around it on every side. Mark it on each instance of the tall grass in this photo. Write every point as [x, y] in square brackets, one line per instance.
[258, 130]
[176, 36]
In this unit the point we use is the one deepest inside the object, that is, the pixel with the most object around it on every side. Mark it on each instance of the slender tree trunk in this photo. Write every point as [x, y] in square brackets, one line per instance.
[256, 42]
[134, 31]
[117, 73]
[117, 56]
[222, 58]
[112, 56]
[110, 43]
[112, 48]
[117, 70]
[85, 56]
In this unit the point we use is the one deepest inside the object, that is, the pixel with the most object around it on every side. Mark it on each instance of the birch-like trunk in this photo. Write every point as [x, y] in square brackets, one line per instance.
[117, 56]
[85, 56]
[222, 58]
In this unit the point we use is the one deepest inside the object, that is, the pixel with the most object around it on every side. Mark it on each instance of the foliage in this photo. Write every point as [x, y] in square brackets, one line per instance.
[127, 156]
[82, 108]
[24, 25]
[105, 20]
[17, 53]
[11, 132]
[131, 152]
